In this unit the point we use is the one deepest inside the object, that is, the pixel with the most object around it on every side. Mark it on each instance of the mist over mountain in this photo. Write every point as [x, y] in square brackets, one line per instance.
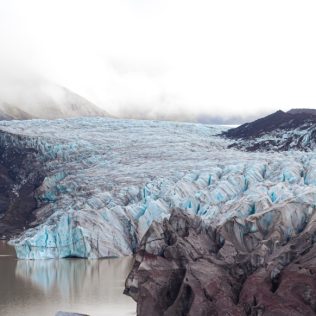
[28, 96]
[35, 98]
[43, 99]
[226, 120]
[181, 115]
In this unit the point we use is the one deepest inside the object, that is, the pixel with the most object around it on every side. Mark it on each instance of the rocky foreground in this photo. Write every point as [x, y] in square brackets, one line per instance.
[249, 266]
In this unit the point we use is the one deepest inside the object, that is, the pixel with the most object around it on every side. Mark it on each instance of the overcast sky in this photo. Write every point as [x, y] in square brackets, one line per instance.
[151, 57]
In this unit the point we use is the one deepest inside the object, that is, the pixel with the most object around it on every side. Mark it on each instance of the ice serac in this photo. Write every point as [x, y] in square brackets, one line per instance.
[264, 264]
[104, 181]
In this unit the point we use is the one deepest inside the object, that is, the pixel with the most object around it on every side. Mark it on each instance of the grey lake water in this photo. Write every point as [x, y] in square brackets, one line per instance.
[43, 287]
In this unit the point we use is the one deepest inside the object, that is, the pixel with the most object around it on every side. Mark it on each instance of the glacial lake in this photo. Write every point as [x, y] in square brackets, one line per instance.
[43, 287]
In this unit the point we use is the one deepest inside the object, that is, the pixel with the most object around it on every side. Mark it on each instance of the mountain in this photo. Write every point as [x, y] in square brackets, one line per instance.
[307, 111]
[47, 101]
[292, 130]
[10, 112]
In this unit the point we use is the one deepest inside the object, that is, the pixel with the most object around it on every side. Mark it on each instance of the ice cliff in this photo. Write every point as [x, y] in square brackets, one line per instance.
[106, 180]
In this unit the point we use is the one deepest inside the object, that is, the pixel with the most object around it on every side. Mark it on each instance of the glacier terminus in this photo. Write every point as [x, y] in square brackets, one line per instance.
[103, 181]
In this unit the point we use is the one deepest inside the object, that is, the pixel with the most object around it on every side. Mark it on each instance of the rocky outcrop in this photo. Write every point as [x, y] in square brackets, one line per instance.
[262, 265]
[280, 131]
[20, 174]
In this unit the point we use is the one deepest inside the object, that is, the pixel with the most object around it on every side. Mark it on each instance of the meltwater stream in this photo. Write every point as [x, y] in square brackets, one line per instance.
[43, 287]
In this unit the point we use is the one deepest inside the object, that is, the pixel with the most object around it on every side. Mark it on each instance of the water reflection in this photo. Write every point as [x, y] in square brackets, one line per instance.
[44, 286]
[69, 276]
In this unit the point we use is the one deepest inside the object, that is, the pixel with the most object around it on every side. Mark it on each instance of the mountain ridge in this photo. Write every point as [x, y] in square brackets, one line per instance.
[279, 131]
[49, 102]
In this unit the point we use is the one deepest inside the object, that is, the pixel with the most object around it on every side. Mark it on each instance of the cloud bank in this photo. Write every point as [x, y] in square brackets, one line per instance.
[164, 59]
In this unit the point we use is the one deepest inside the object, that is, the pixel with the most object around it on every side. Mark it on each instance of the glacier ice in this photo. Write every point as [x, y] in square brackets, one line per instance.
[107, 180]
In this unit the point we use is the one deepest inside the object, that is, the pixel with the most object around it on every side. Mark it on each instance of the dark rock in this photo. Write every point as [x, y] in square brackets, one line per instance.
[280, 131]
[278, 120]
[186, 267]
[302, 110]
[20, 174]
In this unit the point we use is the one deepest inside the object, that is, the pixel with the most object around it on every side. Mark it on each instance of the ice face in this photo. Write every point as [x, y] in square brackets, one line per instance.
[107, 180]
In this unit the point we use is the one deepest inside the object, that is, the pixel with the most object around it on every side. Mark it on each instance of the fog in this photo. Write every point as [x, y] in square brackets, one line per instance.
[190, 60]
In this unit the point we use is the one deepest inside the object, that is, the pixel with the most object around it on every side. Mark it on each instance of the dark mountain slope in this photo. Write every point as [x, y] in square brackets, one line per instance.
[307, 111]
[292, 130]
[278, 120]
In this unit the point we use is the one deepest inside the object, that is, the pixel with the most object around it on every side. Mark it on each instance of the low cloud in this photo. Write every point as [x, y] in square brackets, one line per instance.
[185, 60]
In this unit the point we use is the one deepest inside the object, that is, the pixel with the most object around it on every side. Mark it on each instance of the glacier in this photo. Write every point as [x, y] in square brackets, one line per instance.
[106, 180]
